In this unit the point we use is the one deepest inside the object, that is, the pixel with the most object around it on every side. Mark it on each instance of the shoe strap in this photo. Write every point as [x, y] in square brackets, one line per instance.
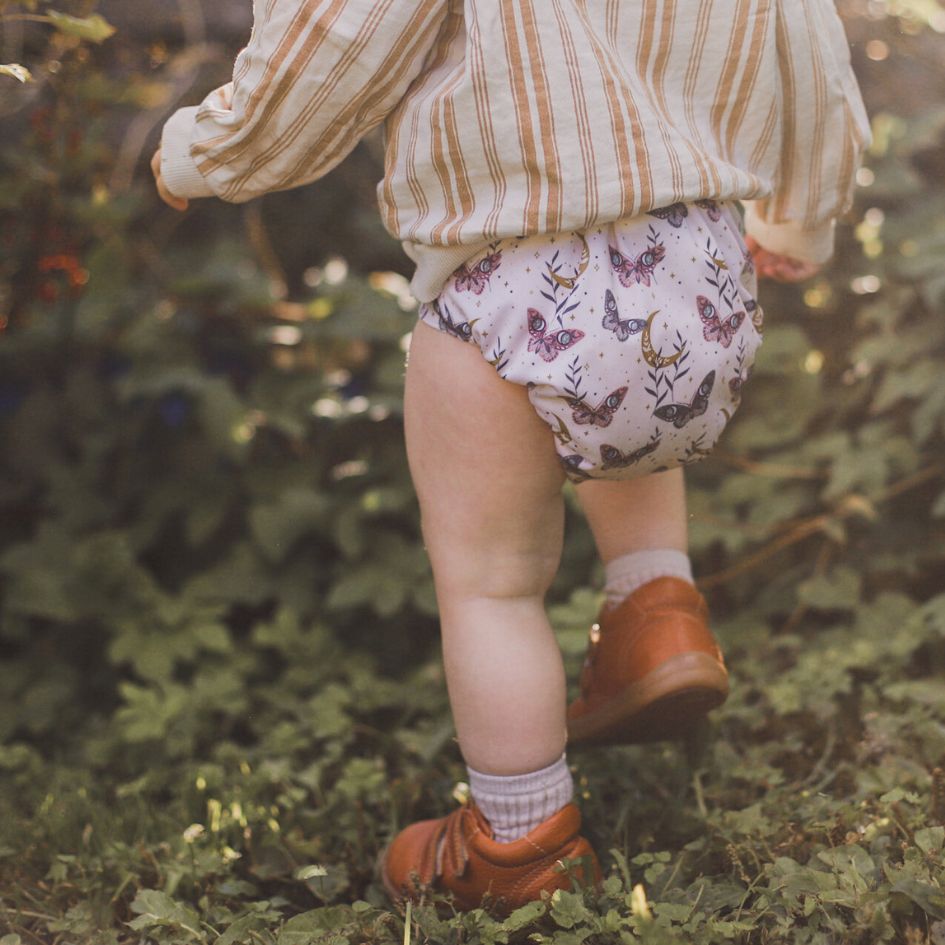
[452, 852]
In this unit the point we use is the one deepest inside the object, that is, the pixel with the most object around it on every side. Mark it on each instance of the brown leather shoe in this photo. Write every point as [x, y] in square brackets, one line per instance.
[457, 854]
[653, 668]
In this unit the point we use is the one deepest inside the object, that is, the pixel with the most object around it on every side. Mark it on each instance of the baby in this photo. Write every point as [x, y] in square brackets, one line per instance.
[566, 176]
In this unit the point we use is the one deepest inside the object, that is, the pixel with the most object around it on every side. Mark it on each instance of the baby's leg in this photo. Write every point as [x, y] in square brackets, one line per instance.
[489, 485]
[634, 515]
[639, 527]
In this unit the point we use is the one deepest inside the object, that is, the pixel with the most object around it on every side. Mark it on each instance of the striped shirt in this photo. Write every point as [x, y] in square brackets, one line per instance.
[518, 117]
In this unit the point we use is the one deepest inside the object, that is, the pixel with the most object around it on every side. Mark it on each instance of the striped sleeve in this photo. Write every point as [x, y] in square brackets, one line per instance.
[825, 131]
[315, 77]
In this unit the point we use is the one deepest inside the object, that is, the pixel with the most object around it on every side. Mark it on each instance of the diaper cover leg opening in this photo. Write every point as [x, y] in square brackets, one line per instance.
[634, 341]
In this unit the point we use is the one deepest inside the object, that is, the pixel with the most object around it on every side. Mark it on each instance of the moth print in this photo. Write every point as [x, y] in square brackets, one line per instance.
[712, 209]
[461, 330]
[475, 278]
[635, 271]
[680, 414]
[572, 467]
[549, 344]
[623, 328]
[715, 328]
[613, 458]
[602, 414]
[674, 214]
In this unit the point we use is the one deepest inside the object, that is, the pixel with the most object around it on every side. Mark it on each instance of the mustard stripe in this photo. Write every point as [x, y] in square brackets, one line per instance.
[266, 95]
[788, 119]
[366, 110]
[638, 133]
[533, 176]
[335, 75]
[746, 86]
[582, 119]
[484, 118]
[545, 111]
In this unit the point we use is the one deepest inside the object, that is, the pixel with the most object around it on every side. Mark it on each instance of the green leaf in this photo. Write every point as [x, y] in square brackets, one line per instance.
[568, 909]
[155, 907]
[930, 899]
[22, 74]
[93, 27]
[930, 839]
[302, 929]
[278, 525]
[839, 590]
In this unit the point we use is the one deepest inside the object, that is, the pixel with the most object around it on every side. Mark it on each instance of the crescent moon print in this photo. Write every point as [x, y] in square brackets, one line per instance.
[568, 282]
[650, 354]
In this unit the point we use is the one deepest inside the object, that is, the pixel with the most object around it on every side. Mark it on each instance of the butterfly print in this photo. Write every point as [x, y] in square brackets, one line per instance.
[674, 214]
[461, 330]
[622, 328]
[549, 344]
[602, 414]
[613, 458]
[712, 209]
[476, 278]
[634, 271]
[715, 328]
[572, 467]
[680, 414]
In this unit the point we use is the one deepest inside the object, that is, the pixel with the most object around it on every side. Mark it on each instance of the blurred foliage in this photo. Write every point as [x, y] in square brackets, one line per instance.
[220, 690]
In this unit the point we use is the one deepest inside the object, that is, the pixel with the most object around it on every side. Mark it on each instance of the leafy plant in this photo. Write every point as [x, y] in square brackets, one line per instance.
[221, 690]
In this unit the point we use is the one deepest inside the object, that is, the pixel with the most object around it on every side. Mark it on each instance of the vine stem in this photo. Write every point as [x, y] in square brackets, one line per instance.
[849, 506]
[777, 470]
[32, 17]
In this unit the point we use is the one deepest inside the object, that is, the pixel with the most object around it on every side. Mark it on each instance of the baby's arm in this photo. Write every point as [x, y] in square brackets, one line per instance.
[824, 133]
[313, 79]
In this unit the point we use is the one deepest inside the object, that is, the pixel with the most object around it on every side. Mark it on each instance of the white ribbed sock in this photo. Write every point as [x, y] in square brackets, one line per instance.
[625, 574]
[516, 804]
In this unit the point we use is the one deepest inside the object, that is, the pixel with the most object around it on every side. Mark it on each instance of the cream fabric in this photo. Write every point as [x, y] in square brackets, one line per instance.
[518, 117]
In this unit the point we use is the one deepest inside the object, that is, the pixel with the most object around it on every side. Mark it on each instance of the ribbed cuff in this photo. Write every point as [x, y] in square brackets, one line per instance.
[178, 169]
[435, 264]
[516, 804]
[791, 239]
[631, 571]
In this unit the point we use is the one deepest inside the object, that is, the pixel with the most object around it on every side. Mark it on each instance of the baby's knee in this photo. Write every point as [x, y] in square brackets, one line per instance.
[495, 574]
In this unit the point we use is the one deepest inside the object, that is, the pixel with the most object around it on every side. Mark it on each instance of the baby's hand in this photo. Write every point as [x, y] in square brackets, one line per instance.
[776, 266]
[178, 203]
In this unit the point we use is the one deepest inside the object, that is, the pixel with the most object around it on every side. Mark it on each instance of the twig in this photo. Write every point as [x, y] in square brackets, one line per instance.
[820, 568]
[847, 507]
[775, 470]
[700, 796]
[818, 768]
[140, 127]
[259, 240]
[186, 66]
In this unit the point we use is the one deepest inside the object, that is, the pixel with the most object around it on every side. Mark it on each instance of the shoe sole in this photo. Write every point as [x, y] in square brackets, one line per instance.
[663, 705]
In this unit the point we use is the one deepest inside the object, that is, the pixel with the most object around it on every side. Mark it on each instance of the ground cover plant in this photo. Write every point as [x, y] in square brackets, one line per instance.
[220, 689]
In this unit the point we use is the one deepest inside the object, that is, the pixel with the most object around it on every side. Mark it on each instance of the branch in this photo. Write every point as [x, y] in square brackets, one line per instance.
[847, 507]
